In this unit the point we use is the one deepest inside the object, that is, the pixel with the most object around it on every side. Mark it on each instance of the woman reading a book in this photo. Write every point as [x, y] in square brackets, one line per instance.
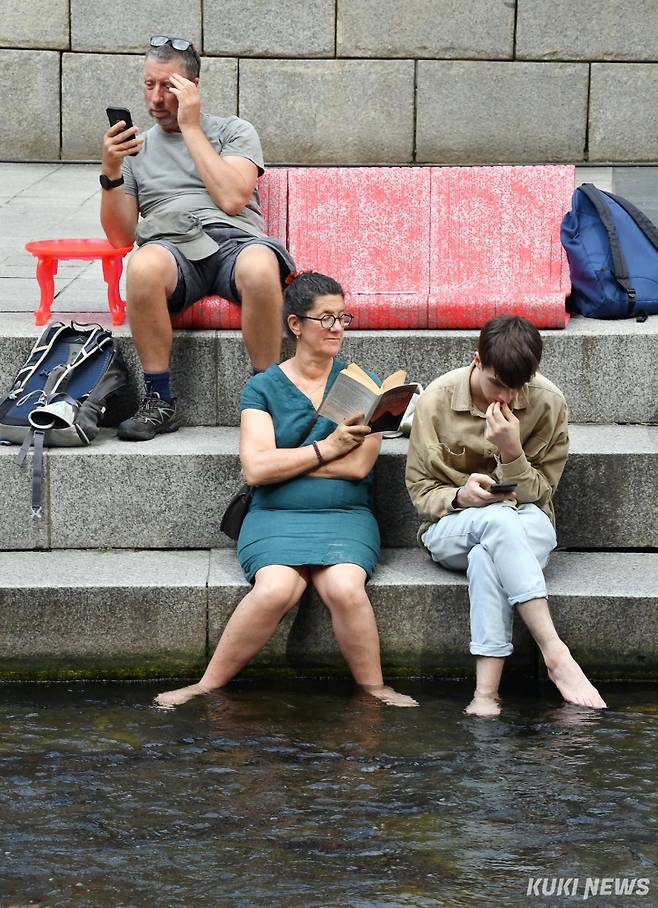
[310, 521]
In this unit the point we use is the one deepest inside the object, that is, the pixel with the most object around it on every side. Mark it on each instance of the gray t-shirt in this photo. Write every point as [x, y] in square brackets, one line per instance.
[163, 175]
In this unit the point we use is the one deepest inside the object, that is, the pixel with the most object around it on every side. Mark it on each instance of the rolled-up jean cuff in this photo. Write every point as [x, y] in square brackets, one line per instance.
[538, 593]
[500, 652]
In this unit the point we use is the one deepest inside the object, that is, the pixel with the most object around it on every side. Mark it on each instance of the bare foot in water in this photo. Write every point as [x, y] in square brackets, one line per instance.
[171, 698]
[483, 705]
[570, 680]
[389, 696]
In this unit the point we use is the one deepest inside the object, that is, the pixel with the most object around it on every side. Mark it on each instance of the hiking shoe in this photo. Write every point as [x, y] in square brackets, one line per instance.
[153, 417]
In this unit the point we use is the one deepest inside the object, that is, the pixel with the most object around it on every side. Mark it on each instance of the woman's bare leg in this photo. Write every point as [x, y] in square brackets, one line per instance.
[277, 589]
[342, 589]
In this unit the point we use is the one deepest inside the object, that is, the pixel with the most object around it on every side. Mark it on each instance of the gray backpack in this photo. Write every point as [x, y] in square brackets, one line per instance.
[59, 393]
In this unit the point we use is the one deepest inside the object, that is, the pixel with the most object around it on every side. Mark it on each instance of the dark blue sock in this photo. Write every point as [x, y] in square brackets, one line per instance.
[158, 382]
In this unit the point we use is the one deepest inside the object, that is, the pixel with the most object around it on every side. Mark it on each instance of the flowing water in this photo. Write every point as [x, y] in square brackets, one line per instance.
[306, 795]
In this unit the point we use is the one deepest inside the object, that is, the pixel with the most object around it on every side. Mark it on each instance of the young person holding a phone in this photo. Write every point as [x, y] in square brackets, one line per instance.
[496, 424]
[192, 177]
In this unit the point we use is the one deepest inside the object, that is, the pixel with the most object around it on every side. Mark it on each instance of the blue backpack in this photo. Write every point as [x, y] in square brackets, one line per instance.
[58, 396]
[612, 250]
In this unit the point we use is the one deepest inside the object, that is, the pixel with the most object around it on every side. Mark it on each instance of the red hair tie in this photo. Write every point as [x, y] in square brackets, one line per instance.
[291, 277]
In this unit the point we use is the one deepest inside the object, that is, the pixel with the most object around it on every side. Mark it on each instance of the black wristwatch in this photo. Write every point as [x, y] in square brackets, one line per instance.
[107, 183]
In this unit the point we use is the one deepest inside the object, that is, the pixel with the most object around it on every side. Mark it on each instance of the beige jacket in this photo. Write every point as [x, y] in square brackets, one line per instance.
[448, 444]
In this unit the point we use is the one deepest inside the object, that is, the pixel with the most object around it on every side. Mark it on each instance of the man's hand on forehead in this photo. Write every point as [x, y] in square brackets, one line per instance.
[180, 82]
[189, 100]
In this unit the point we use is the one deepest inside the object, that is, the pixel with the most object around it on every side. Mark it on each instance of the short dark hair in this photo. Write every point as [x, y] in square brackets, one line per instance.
[190, 59]
[512, 347]
[302, 292]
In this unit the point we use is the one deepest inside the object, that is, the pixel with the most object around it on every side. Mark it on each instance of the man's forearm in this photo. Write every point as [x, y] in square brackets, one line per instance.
[536, 485]
[118, 217]
[228, 188]
[431, 497]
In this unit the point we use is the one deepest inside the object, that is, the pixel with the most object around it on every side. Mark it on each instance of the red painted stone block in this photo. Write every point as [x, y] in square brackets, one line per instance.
[209, 313]
[421, 247]
[369, 228]
[495, 244]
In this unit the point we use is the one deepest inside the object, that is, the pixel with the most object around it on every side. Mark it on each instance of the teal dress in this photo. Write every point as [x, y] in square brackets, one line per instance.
[304, 520]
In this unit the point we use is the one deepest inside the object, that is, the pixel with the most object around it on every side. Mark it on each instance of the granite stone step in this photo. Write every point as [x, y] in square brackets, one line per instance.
[144, 614]
[606, 369]
[606, 497]
[169, 493]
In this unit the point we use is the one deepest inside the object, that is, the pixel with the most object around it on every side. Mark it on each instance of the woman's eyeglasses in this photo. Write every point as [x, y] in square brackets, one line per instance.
[328, 321]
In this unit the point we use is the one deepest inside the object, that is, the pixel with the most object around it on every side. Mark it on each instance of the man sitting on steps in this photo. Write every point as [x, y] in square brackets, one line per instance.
[192, 177]
[496, 421]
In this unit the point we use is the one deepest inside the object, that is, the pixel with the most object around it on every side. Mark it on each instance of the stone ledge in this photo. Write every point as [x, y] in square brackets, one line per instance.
[172, 491]
[604, 607]
[594, 362]
[606, 497]
[86, 614]
[102, 614]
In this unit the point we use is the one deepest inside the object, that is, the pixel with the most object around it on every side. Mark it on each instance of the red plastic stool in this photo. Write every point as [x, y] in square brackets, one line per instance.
[50, 252]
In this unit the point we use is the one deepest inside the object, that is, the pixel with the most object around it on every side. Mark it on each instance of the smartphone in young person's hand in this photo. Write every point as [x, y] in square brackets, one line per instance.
[500, 488]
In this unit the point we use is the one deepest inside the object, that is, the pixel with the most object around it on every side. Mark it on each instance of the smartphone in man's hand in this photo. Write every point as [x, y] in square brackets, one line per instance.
[115, 114]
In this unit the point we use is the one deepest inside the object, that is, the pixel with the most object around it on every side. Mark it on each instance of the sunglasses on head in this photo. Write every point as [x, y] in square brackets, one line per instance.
[176, 43]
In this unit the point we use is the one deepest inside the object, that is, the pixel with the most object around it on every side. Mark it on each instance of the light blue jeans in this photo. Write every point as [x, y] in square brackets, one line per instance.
[503, 549]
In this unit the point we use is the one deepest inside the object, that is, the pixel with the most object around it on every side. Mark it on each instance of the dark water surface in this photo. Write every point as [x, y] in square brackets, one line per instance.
[304, 794]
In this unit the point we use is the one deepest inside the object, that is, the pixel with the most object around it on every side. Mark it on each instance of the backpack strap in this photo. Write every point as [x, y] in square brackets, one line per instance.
[97, 340]
[37, 355]
[25, 447]
[619, 266]
[645, 224]
[37, 475]
[37, 438]
[647, 227]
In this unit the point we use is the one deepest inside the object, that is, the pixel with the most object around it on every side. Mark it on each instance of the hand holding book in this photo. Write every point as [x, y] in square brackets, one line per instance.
[355, 392]
[349, 434]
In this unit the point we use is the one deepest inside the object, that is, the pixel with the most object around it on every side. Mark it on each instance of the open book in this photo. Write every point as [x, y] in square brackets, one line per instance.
[355, 392]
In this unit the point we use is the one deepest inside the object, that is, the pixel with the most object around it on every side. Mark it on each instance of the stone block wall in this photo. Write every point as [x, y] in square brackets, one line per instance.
[350, 81]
